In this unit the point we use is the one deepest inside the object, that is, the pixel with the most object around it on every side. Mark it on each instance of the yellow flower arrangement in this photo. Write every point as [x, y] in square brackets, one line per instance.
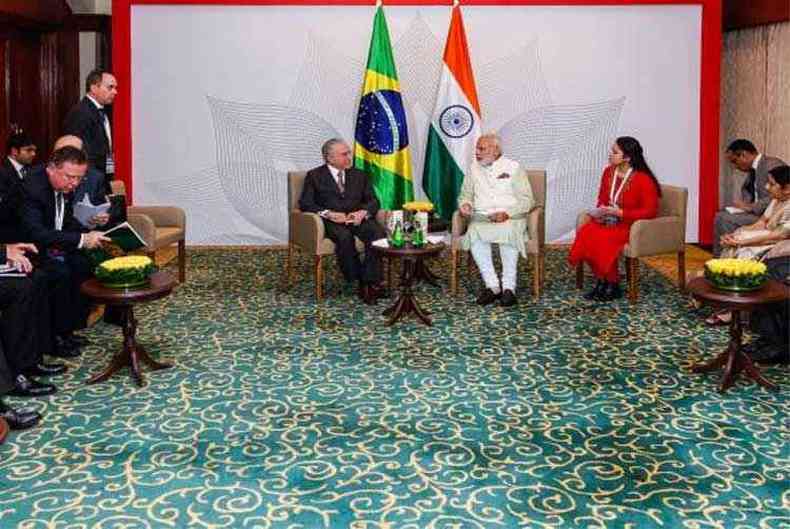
[121, 272]
[129, 261]
[418, 206]
[735, 274]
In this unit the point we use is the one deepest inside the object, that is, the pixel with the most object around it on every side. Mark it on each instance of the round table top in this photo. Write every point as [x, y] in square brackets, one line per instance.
[159, 286]
[773, 291]
[427, 249]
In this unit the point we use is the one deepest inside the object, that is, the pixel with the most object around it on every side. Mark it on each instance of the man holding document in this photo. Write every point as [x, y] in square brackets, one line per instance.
[496, 195]
[47, 218]
[743, 156]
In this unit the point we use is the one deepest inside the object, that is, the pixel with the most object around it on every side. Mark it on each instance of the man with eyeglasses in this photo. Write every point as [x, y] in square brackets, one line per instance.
[49, 223]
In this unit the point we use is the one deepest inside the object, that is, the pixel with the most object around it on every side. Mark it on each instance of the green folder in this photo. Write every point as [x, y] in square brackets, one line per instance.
[124, 236]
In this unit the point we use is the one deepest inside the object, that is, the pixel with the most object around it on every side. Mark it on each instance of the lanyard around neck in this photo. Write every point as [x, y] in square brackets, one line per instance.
[614, 195]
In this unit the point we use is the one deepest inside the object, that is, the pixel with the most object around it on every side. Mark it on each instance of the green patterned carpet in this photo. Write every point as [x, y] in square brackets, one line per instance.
[283, 414]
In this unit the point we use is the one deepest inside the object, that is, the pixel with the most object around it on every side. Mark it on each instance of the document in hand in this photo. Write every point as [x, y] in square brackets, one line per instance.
[125, 237]
[597, 212]
[8, 270]
[84, 210]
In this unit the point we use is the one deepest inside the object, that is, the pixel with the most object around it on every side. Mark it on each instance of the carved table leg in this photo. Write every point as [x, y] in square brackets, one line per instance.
[406, 302]
[734, 360]
[423, 273]
[131, 354]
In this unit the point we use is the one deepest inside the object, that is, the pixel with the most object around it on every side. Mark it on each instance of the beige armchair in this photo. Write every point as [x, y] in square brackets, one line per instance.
[306, 232]
[664, 234]
[159, 226]
[536, 225]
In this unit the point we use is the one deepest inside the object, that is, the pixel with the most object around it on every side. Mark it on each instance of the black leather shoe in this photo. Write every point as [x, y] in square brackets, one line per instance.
[508, 299]
[765, 353]
[596, 292]
[367, 296]
[18, 419]
[77, 340]
[45, 370]
[64, 349]
[611, 292]
[486, 297]
[30, 387]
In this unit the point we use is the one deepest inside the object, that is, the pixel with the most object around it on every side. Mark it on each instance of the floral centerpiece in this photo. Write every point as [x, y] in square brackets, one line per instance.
[417, 205]
[735, 274]
[125, 272]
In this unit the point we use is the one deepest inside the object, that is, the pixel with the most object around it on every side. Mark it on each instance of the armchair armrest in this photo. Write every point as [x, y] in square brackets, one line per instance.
[307, 230]
[457, 230]
[536, 225]
[170, 216]
[582, 219]
[656, 236]
[144, 226]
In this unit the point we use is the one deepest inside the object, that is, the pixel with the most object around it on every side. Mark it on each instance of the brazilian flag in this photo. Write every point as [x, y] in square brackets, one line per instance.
[382, 138]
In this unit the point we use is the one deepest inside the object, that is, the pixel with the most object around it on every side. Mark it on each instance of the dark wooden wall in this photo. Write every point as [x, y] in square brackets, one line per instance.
[739, 14]
[39, 64]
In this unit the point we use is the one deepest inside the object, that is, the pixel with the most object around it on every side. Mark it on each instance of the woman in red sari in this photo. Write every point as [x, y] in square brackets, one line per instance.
[629, 192]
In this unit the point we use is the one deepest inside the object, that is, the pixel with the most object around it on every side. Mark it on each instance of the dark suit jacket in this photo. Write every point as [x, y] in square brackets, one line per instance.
[762, 199]
[11, 199]
[38, 215]
[85, 120]
[320, 192]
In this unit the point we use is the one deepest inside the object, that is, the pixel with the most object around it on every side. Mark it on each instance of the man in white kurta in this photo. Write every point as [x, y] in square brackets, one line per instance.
[496, 196]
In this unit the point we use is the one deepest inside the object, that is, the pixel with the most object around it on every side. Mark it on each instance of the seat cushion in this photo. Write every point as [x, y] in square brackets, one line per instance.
[167, 236]
[327, 247]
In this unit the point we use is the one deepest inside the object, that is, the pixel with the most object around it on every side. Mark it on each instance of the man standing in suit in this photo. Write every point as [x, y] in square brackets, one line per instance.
[743, 155]
[21, 152]
[48, 220]
[88, 119]
[343, 197]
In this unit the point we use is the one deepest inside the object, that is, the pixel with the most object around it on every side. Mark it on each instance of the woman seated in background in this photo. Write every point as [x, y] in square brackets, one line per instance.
[756, 240]
[629, 191]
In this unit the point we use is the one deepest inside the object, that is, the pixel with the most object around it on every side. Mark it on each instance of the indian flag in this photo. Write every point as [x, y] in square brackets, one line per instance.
[455, 124]
[382, 137]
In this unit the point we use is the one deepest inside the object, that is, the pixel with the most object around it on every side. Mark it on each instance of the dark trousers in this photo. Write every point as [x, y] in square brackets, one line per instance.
[18, 333]
[68, 307]
[369, 270]
[772, 322]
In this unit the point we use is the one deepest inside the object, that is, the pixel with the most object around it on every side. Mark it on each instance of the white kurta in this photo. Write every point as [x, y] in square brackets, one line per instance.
[502, 186]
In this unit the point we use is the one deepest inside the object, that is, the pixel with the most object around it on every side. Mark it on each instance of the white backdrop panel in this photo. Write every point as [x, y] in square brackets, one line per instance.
[226, 100]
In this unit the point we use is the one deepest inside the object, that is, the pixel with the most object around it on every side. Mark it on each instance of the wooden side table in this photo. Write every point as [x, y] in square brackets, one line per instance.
[411, 258]
[3, 430]
[160, 285]
[733, 359]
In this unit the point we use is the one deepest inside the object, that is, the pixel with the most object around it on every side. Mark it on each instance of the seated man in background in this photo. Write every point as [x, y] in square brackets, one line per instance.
[771, 323]
[343, 197]
[496, 195]
[19, 305]
[47, 218]
[743, 156]
[21, 153]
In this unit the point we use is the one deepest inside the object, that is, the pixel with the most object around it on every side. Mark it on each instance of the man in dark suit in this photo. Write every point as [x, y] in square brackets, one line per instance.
[343, 197]
[743, 156]
[19, 305]
[21, 151]
[48, 220]
[88, 119]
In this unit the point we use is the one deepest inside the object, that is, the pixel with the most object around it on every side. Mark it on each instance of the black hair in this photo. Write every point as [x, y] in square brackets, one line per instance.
[740, 145]
[68, 154]
[17, 140]
[636, 157]
[95, 77]
[781, 175]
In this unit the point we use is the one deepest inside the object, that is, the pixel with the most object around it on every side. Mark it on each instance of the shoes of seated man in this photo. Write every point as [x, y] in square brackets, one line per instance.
[43, 369]
[765, 353]
[487, 296]
[76, 339]
[508, 298]
[367, 294]
[18, 419]
[65, 348]
[30, 387]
